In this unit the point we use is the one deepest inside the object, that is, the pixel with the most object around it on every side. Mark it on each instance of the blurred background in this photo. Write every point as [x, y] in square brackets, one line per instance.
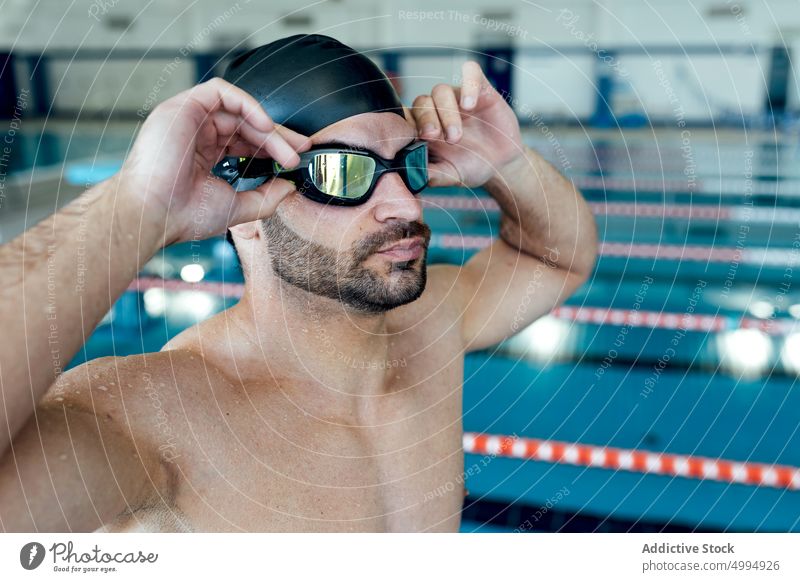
[662, 396]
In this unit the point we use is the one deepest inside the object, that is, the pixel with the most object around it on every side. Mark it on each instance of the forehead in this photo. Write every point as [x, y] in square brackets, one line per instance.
[383, 133]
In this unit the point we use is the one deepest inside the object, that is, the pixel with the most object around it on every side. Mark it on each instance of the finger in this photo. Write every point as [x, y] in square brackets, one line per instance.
[237, 135]
[409, 116]
[217, 94]
[443, 174]
[270, 144]
[226, 124]
[224, 135]
[444, 99]
[237, 147]
[221, 130]
[473, 84]
[261, 202]
[298, 141]
[236, 144]
[426, 118]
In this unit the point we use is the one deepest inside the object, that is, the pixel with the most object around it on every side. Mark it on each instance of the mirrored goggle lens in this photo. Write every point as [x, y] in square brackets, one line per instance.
[342, 175]
[417, 168]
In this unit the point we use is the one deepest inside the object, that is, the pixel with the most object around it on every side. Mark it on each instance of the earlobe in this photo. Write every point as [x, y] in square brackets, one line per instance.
[246, 231]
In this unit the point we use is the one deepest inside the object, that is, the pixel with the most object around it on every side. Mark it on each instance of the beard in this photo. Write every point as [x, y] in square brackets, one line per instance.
[323, 271]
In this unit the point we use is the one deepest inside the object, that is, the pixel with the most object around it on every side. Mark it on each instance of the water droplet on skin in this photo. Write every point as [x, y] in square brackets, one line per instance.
[103, 388]
[59, 399]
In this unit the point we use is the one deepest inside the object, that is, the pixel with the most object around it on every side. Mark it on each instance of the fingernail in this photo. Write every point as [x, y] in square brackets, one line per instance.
[452, 133]
[468, 102]
[429, 128]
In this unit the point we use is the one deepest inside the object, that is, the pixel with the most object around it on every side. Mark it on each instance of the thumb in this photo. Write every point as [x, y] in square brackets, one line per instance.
[442, 174]
[261, 202]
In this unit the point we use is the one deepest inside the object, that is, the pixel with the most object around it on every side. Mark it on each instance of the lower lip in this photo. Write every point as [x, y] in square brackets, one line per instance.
[403, 254]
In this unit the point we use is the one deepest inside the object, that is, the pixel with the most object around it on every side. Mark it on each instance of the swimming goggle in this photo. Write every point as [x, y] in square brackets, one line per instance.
[332, 175]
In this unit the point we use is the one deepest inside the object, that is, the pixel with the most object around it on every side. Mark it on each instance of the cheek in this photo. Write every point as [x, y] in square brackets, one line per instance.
[332, 227]
[303, 216]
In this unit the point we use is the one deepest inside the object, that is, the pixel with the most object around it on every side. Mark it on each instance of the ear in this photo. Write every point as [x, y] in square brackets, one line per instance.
[246, 231]
[245, 236]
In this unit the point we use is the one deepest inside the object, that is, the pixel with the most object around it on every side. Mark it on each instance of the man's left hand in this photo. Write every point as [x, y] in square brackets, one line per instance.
[471, 130]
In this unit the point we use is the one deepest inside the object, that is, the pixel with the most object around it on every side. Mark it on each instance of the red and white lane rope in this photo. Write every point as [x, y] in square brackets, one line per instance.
[701, 253]
[739, 213]
[638, 184]
[709, 186]
[665, 320]
[214, 287]
[713, 186]
[594, 315]
[638, 461]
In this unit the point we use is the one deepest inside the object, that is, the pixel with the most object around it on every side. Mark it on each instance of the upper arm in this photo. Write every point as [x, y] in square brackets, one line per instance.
[73, 465]
[502, 290]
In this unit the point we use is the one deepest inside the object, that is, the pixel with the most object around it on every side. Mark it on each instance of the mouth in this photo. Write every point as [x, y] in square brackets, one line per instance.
[404, 250]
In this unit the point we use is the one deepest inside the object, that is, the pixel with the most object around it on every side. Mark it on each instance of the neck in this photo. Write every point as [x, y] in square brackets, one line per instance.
[308, 338]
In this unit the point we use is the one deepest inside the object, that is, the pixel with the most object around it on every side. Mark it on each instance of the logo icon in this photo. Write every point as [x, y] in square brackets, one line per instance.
[31, 555]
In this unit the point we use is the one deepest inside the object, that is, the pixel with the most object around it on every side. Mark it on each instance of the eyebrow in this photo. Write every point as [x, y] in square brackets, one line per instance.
[347, 146]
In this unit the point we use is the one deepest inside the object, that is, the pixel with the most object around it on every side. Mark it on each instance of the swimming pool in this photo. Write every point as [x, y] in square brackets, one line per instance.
[661, 396]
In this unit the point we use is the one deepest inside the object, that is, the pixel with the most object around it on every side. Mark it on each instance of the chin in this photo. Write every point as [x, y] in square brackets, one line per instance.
[411, 280]
[397, 288]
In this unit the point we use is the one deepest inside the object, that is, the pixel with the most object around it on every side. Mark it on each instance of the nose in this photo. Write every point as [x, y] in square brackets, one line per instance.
[393, 201]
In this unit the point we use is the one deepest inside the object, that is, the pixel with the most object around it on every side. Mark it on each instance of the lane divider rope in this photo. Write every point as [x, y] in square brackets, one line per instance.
[699, 253]
[583, 314]
[634, 460]
[765, 215]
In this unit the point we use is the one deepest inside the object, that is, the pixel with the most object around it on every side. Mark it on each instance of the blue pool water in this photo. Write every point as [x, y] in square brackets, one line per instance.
[602, 386]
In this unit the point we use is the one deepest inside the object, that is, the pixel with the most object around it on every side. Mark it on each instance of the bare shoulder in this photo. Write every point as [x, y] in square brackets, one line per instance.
[95, 439]
[116, 388]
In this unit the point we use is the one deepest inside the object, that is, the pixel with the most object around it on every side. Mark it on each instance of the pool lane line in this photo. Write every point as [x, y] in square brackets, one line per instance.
[591, 315]
[729, 212]
[634, 460]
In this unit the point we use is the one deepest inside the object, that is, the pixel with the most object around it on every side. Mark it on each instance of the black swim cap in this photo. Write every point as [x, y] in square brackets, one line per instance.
[307, 82]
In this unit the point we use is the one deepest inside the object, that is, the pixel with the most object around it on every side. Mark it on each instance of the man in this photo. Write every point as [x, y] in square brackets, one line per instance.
[329, 397]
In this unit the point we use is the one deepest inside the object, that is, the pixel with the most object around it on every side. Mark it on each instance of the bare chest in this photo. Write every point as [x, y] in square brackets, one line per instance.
[261, 461]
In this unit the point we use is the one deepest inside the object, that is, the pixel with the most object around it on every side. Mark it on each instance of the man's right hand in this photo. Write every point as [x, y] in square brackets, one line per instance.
[168, 171]
[61, 277]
